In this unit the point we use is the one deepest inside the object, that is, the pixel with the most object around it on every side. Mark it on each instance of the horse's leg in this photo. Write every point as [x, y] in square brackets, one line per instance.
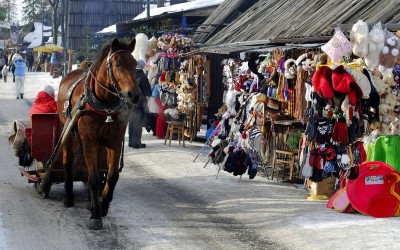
[68, 164]
[91, 159]
[113, 157]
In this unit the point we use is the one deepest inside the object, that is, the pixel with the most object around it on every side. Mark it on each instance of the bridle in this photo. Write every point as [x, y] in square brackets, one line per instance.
[106, 108]
[110, 76]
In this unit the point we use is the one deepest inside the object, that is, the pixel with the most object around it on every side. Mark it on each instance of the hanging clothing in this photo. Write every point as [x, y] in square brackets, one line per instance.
[301, 103]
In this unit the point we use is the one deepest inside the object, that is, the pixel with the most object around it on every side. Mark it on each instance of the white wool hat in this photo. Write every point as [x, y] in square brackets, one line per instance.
[48, 89]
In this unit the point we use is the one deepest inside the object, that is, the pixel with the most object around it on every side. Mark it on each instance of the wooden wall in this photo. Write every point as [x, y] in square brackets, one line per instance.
[94, 15]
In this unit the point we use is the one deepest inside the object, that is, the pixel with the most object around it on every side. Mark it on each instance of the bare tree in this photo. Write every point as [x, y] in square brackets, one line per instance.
[33, 10]
[54, 7]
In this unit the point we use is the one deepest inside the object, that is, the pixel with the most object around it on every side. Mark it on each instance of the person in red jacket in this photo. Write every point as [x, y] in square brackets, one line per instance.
[44, 101]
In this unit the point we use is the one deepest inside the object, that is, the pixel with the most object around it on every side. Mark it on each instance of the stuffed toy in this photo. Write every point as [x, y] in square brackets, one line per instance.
[142, 44]
[338, 46]
[379, 84]
[383, 110]
[395, 127]
[391, 100]
[376, 41]
[359, 37]
[390, 51]
[152, 49]
[384, 129]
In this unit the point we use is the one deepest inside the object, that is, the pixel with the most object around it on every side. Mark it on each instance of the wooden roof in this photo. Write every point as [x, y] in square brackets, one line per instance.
[279, 21]
[223, 15]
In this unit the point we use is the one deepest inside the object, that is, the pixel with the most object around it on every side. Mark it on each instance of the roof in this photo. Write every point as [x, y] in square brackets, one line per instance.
[225, 13]
[301, 21]
[179, 8]
[108, 30]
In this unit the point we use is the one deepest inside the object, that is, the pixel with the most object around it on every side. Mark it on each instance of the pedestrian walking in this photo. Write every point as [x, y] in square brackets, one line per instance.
[139, 115]
[2, 64]
[4, 72]
[31, 59]
[19, 73]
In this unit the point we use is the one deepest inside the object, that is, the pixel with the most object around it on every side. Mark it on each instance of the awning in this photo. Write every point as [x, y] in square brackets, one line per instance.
[48, 48]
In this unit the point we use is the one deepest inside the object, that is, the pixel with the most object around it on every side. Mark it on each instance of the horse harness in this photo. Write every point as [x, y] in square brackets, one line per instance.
[89, 97]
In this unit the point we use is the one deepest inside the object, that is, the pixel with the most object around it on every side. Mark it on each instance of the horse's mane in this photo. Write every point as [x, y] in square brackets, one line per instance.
[104, 52]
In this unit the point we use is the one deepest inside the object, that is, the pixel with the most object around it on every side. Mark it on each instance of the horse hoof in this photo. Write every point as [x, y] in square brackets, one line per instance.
[104, 212]
[95, 224]
[69, 203]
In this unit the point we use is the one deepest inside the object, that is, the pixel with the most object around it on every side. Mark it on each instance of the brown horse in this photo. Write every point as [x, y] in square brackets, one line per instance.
[107, 90]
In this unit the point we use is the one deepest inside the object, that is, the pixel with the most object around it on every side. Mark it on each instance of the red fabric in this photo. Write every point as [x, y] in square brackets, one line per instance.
[340, 132]
[321, 81]
[344, 83]
[363, 154]
[43, 103]
[161, 124]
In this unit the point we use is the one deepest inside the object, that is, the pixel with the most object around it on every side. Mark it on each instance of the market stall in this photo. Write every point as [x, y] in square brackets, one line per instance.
[345, 93]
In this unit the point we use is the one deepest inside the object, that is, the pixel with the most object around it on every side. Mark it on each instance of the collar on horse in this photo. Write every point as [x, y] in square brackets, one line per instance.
[105, 109]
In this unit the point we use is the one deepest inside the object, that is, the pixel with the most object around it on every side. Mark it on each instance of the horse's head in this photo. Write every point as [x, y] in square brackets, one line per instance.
[121, 70]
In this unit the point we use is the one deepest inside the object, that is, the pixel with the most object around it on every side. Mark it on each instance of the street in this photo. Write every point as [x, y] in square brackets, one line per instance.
[165, 201]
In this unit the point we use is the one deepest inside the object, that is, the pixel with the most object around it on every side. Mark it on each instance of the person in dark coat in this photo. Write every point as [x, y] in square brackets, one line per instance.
[138, 118]
[31, 59]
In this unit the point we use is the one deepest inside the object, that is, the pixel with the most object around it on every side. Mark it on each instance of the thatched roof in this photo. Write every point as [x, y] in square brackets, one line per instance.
[280, 22]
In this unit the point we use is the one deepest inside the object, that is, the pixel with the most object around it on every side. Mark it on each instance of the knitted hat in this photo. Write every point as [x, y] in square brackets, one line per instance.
[321, 81]
[140, 64]
[48, 89]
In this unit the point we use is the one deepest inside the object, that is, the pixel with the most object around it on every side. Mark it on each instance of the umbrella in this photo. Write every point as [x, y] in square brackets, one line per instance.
[48, 48]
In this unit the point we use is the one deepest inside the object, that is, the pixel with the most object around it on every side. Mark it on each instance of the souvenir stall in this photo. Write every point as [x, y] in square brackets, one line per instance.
[260, 113]
[352, 132]
[345, 93]
[181, 82]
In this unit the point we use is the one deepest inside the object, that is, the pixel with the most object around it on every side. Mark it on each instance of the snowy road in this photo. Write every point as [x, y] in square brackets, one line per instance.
[165, 201]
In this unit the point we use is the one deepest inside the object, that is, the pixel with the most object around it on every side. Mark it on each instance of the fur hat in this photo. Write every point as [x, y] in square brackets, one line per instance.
[321, 81]
[342, 82]
[362, 81]
[48, 89]
[290, 70]
[142, 43]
